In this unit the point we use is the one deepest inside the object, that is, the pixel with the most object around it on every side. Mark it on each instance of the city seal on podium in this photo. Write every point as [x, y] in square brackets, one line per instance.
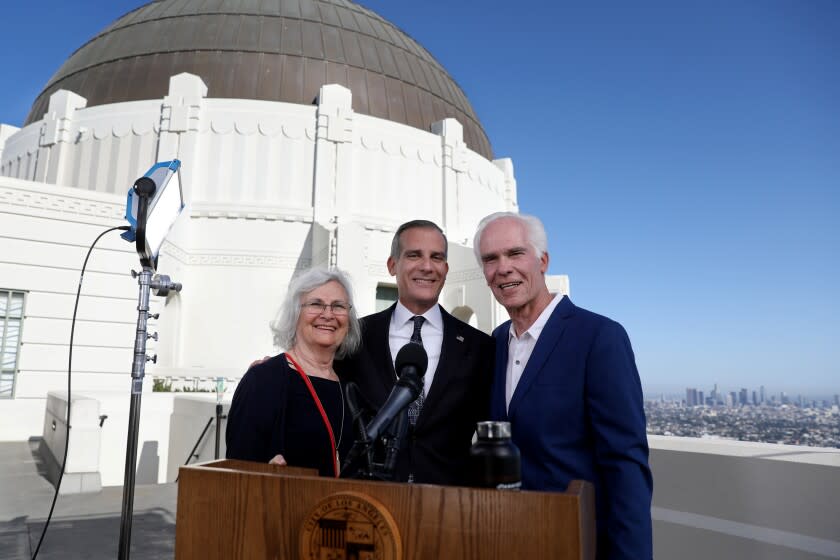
[350, 525]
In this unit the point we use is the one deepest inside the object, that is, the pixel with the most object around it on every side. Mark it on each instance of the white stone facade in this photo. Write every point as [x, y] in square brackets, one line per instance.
[271, 188]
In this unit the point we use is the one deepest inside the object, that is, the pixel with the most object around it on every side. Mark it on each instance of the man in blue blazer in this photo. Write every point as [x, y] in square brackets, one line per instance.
[566, 380]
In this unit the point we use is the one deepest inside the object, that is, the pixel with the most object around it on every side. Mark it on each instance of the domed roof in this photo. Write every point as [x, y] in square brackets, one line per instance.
[277, 50]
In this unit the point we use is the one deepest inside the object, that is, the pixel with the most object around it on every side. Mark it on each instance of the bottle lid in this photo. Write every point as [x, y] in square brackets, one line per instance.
[493, 430]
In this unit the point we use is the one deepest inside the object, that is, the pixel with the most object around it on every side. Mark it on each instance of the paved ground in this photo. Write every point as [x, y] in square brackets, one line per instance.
[83, 526]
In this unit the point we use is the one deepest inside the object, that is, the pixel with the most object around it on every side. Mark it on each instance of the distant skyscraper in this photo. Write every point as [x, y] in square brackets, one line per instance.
[742, 398]
[836, 400]
[755, 400]
[700, 398]
[691, 397]
[761, 395]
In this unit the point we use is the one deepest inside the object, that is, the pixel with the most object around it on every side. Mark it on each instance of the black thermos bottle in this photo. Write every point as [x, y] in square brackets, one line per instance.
[494, 459]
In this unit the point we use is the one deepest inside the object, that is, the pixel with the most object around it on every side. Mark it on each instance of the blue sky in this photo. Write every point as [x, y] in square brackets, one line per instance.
[684, 156]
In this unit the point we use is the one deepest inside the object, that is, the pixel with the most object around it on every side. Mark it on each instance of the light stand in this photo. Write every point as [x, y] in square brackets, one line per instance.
[144, 189]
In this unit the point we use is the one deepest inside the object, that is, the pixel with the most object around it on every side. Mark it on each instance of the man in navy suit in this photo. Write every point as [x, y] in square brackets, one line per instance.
[566, 380]
[457, 382]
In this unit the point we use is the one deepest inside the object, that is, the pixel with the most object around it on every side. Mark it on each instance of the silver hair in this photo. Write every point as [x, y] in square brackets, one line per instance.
[534, 230]
[284, 325]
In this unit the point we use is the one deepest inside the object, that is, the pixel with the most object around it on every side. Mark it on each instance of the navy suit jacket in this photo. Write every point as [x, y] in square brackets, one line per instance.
[577, 413]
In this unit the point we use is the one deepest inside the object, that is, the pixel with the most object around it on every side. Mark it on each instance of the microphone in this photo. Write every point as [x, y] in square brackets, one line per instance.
[411, 365]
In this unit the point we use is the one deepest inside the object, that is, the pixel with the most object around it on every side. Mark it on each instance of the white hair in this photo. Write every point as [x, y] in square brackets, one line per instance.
[534, 230]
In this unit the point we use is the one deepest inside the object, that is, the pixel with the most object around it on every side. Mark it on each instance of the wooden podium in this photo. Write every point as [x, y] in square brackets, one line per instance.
[241, 510]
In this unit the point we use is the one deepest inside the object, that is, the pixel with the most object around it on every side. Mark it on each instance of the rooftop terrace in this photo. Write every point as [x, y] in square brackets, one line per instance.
[712, 499]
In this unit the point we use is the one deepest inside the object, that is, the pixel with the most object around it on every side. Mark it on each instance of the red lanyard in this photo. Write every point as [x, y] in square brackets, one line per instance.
[320, 409]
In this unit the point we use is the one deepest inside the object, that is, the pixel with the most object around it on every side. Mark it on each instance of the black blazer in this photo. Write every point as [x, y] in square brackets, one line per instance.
[273, 413]
[438, 447]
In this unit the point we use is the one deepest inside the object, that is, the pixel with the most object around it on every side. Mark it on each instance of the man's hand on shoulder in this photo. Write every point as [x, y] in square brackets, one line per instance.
[259, 361]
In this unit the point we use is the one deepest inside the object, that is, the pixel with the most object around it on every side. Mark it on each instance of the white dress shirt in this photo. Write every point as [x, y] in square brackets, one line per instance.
[520, 348]
[401, 329]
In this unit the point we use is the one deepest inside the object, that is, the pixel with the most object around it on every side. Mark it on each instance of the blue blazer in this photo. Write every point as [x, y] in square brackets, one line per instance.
[577, 413]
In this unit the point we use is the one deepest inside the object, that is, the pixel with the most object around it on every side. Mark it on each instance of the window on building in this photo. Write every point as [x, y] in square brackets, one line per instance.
[386, 296]
[11, 321]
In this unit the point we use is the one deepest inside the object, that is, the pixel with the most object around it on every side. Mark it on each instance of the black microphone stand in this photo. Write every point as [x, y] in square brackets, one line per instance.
[144, 187]
[392, 440]
[390, 423]
[363, 444]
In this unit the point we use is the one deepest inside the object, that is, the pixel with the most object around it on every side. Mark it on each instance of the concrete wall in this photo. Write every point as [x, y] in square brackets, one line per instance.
[724, 499]
[45, 232]
[169, 426]
[271, 188]
[190, 415]
[81, 471]
[266, 160]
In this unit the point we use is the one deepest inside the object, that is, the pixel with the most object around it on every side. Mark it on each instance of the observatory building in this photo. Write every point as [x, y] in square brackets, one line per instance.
[307, 131]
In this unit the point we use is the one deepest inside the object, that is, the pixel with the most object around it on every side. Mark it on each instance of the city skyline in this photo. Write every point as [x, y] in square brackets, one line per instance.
[676, 392]
[698, 396]
[682, 157]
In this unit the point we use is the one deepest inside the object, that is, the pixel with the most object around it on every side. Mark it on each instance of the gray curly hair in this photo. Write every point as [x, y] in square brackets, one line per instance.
[284, 325]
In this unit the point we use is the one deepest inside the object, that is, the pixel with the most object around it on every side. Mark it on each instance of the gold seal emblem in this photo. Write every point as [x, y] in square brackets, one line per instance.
[350, 526]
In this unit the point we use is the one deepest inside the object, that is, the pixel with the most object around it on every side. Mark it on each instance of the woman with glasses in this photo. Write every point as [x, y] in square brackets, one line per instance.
[290, 409]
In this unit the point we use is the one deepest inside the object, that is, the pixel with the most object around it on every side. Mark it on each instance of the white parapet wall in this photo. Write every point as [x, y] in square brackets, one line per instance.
[715, 498]
[81, 471]
[170, 426]
[193, 429]
[152, 440]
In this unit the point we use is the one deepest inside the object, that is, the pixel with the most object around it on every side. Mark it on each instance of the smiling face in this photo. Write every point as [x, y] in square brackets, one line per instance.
[420, 269]
[322, 329]
[512, 269]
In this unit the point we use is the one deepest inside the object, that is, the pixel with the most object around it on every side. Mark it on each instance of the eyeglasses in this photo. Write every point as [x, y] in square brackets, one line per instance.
[338, 308]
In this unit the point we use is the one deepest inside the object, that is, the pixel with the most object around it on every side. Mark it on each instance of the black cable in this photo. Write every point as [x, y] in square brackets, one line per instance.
[69, 373]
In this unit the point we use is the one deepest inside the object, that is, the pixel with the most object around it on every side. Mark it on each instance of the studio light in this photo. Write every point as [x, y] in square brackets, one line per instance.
[154, 203]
